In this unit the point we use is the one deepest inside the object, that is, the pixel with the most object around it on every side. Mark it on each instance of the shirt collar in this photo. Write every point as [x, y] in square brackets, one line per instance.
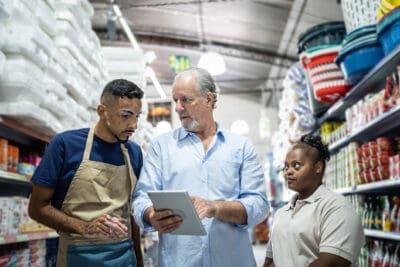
[319, 193]
[183, 133]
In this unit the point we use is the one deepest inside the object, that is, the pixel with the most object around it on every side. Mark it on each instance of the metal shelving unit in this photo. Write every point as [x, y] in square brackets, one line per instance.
[14, 187]
[13, 184]
[9, 239]
[373, 129]
[380, 234]
[380, 187]
[372, 82]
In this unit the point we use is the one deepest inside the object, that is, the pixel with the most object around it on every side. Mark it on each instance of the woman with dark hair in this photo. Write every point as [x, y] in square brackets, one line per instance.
[317, 227]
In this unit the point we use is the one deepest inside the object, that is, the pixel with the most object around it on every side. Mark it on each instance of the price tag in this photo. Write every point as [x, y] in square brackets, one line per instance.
[21, 238]
[2, 240]
[52, 234]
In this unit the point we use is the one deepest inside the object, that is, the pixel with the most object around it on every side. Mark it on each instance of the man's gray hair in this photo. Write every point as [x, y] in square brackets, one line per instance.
[204, 81]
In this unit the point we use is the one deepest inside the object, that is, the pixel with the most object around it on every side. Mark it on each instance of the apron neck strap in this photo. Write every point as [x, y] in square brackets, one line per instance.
[127, 159]
[89, 142]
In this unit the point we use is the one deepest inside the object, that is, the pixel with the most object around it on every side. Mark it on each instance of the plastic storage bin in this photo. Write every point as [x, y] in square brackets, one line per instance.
[361, 52]
[357, 62]
[388, 29]
[359, 13]
[331, 33]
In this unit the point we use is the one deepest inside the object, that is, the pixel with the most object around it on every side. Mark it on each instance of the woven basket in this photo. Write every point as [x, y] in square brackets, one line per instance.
[359, 13]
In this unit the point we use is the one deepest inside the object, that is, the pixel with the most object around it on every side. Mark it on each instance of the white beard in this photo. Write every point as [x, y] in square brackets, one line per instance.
[192, 126]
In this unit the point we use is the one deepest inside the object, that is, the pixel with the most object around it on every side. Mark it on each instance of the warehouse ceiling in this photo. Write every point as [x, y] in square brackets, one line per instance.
[258, 39]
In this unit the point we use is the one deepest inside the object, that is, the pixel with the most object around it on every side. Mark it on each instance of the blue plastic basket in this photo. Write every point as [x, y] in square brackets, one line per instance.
[330, 33]
[389, 31]
[355, 63]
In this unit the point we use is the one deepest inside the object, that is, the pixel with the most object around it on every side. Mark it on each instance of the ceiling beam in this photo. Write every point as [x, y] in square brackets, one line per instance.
[239, 51]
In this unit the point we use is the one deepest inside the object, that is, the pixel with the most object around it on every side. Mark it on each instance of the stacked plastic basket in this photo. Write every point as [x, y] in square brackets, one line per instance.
[361, 51]
[359, 13]
[318, 48]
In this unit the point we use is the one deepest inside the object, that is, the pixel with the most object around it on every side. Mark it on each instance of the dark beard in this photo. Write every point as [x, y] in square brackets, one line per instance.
[121, 141]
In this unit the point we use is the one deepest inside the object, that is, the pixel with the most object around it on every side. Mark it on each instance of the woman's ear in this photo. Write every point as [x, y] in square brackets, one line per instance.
[319, 167]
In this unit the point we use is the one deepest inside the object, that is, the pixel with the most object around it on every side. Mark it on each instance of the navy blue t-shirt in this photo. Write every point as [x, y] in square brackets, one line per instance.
[64, 155]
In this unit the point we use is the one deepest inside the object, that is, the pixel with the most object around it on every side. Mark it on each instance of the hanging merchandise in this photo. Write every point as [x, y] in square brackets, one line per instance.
[295, 115]
[359, 13]
[179, 63]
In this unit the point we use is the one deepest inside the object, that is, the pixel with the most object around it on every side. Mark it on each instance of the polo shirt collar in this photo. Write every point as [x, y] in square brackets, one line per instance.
[319, 193]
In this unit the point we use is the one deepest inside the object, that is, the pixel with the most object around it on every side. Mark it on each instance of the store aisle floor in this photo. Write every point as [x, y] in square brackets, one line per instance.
[259, 253]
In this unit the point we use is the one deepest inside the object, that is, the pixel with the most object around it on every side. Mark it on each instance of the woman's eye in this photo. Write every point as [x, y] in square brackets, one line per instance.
[297, 165]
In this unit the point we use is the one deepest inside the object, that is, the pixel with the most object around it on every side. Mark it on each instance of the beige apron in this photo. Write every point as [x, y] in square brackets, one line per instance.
[97, 188]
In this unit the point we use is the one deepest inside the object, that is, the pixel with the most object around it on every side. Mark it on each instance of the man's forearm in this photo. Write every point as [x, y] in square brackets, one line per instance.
[230, 211]
[58, 220]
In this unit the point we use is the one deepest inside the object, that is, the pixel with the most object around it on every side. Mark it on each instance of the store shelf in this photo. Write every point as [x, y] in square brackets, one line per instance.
[13, 184]
[380, 234]
[8, 239]
[370, 83]
[381, 187]
[17, 132]
[377, 127]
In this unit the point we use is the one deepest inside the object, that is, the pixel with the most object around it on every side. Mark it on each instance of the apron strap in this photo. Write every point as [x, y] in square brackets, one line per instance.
[132, 176]
[89, 142]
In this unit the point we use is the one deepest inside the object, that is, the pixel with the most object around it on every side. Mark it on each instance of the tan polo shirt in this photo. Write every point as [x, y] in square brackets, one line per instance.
[324, 222]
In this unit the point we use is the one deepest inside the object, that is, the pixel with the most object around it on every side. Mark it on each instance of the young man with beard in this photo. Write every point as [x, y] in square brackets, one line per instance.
[84, 183]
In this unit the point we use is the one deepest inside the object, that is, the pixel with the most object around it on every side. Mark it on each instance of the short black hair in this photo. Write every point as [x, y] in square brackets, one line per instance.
[315, 141]
[121, 88]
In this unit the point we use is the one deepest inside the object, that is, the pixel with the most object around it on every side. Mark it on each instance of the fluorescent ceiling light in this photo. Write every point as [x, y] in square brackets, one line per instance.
[150, 73]
[125, 26]
[213, 62]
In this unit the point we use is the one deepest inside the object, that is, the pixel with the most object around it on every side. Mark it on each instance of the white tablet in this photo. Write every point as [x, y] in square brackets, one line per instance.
[180, 204]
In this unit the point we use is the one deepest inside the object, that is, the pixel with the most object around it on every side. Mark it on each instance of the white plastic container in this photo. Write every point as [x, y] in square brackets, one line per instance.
[359, 13]
[21, 81]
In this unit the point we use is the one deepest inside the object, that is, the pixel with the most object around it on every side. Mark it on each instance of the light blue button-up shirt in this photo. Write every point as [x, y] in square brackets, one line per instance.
[230, 170]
